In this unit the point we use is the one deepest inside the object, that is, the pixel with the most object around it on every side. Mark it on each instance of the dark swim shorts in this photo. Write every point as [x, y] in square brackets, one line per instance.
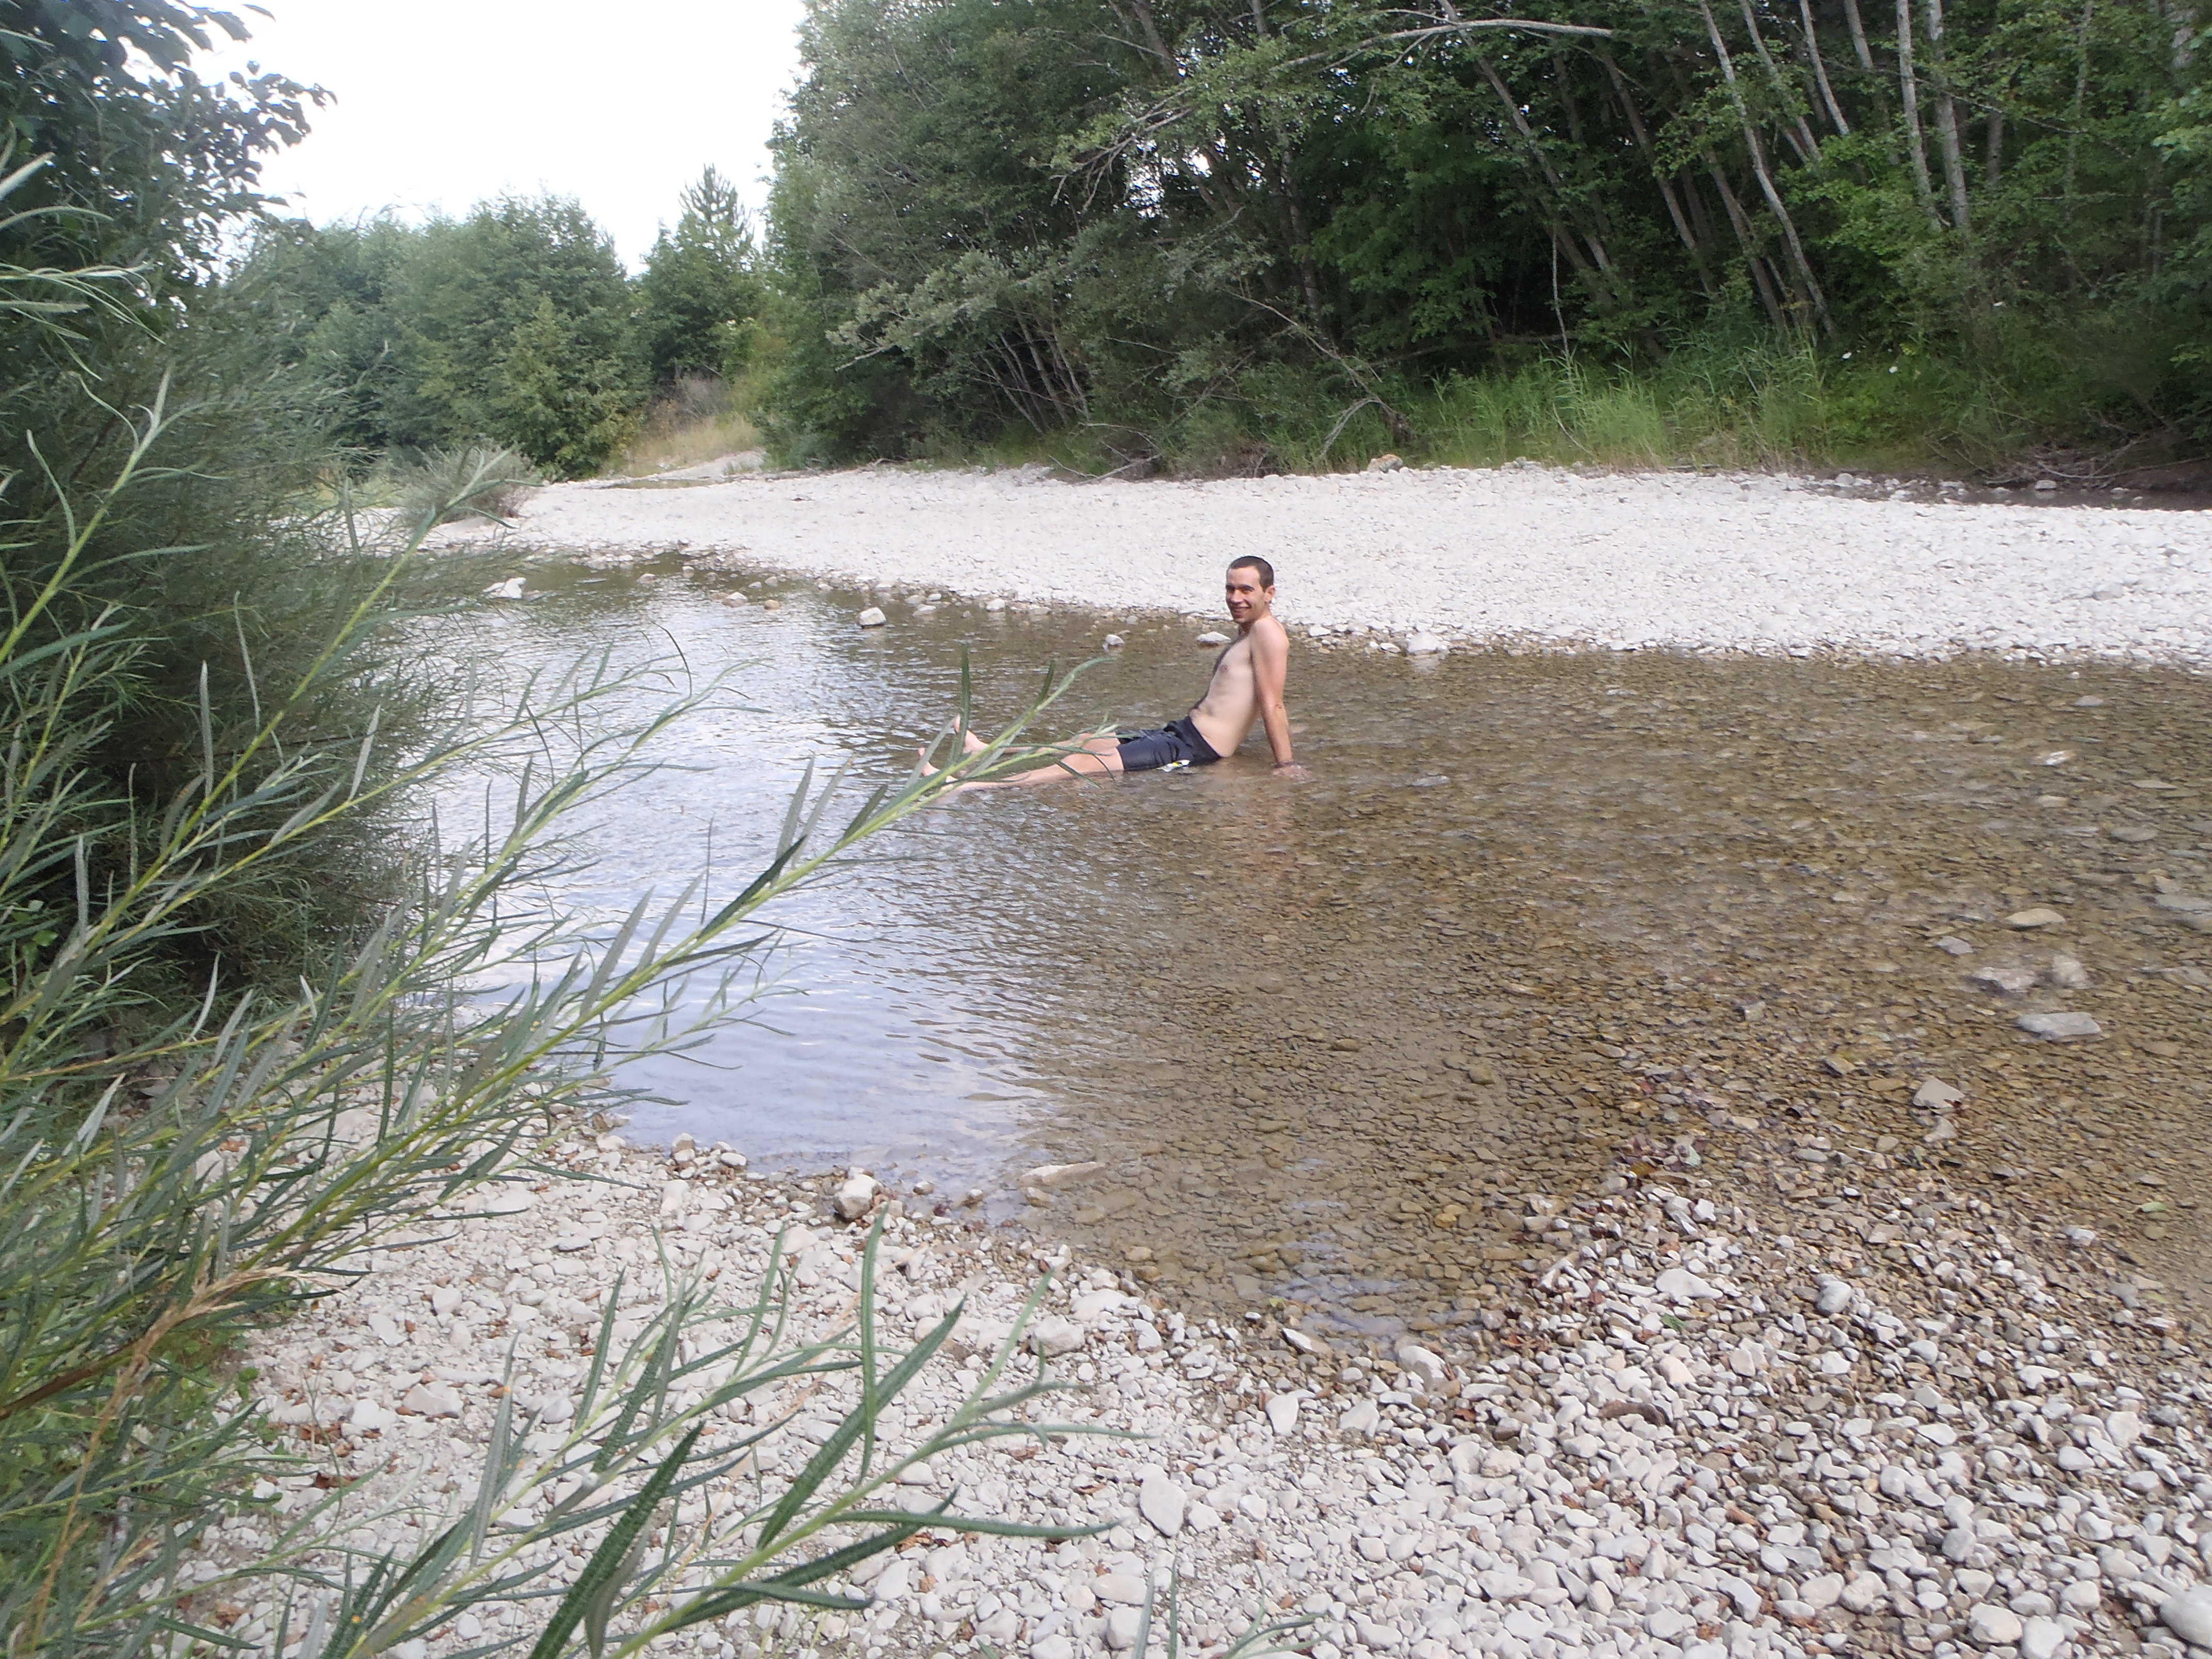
[1177, 743]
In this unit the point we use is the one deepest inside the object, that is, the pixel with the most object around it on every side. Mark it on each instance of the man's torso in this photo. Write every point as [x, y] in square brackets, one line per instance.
[1225, 713]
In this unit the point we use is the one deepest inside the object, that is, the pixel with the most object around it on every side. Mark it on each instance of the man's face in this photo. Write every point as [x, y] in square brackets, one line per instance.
[1248, 600]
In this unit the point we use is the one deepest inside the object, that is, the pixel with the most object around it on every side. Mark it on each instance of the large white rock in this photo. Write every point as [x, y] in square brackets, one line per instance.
[1989, 1626]
[1679, 1285]
[1050, 1176]
[1934, 1094]
[1162, 1502]
[1823, 1589]
[2042, 1639]
[1053, 1337]
[856, 1196]
[1364, 1418]
[2067, 1027]
[1417, 1361]
[2083, 1595]
[431, 1400]
[1862, 1594]
[1092, 1305]
[871, 617]
[2189, 1615]
[1283, 1410]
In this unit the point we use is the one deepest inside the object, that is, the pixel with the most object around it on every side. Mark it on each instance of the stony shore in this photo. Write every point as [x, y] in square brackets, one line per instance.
[1691, 1437]
[1879, 1401]
[1520, 553]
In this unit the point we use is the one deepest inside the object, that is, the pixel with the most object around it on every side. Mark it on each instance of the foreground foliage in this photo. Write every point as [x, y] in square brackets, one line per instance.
[238, 1044]
[172, 1170]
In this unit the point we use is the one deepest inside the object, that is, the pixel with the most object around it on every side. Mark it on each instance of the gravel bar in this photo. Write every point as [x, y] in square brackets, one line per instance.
[1443, 556]
[1690, 1440]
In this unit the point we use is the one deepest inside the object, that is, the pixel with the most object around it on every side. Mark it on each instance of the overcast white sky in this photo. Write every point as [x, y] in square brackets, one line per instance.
[441, 103]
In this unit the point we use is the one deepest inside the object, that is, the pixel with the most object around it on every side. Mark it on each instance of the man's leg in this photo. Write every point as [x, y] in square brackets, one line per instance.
[1098, 753]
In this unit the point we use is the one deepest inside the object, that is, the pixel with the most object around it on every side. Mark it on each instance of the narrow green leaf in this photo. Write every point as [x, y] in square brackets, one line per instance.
[614, 1549]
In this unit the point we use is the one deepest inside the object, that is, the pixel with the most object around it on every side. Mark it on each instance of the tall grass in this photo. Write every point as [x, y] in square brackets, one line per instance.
[477, 481]
[698, 420]
[1753, 402]
[175, 1168]
[1740, 405]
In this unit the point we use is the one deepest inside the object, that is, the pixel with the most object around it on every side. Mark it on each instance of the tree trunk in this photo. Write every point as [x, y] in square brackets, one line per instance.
[1753, 261]
[1798, 132]
[1947, 122]
[1309, 278]
[1916, 145]
[1214, 183]
[1600, 276]
[1294, 204]
[1858, 35]
[1993, 150]
[1760, 171]
[2081, 97]
[1667, 192]
[1821, 71]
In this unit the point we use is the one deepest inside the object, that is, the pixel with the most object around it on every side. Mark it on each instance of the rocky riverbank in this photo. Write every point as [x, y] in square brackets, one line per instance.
[1732, 562]
[1700, 1429]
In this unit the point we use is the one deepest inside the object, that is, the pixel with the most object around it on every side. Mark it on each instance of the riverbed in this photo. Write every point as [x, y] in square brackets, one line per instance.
[1538, 920]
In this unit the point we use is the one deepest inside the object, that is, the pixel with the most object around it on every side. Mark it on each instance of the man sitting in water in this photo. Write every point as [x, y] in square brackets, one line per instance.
[1247, 686]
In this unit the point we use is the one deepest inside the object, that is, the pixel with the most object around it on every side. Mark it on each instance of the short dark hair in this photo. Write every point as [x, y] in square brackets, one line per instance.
[1253, 562]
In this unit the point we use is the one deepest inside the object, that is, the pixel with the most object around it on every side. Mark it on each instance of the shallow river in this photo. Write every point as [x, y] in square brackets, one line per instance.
[1534, 918]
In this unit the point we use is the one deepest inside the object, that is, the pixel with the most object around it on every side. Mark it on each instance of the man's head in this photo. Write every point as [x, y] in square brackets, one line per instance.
[1251, 589]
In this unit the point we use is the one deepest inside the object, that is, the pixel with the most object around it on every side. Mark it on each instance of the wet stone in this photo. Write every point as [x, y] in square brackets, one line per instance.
[2060, 1027]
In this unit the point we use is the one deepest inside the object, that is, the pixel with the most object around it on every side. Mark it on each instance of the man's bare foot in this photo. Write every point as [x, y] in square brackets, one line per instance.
[969, 744]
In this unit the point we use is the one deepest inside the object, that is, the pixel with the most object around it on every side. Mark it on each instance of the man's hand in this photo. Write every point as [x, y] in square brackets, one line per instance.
[1290, 769]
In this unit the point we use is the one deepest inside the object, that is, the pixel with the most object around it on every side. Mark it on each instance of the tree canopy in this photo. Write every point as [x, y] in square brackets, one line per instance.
[515, 323]
[1115, 213]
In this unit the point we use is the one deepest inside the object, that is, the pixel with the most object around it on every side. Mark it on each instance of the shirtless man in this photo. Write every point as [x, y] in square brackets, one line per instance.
[1247, 687]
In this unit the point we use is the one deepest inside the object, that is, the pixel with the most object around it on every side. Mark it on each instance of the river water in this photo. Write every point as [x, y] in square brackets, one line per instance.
[1535, 919]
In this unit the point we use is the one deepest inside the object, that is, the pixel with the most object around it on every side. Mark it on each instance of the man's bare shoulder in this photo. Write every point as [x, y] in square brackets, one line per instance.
[1269, 635]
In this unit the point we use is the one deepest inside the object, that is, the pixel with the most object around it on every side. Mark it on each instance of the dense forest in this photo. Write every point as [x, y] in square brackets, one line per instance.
[516, 324]
[1232, 235]
[1207, 231]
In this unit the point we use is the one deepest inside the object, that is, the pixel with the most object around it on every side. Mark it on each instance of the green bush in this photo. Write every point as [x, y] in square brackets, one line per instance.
[478, 481]
[699, 297]
[511, 325]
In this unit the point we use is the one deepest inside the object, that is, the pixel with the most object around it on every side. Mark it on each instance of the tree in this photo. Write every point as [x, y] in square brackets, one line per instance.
[1093, 215]
[700, 296]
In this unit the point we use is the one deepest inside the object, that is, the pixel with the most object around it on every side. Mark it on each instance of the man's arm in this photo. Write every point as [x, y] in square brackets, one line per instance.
[1271, 668]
